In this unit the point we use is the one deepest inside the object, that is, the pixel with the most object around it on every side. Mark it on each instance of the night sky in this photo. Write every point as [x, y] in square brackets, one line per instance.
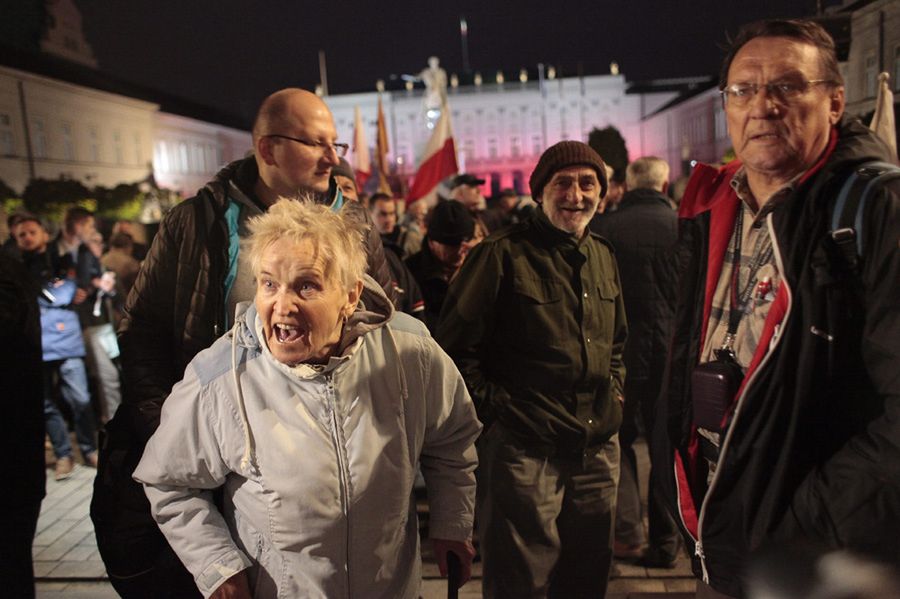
[231, 54]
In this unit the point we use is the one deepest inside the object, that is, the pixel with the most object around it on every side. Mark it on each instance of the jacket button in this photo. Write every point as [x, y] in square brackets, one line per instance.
[585, 295]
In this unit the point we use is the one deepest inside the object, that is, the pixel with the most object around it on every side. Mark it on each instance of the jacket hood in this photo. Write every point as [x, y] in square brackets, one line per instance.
[858, 144]
[247, 334]
[235, 180]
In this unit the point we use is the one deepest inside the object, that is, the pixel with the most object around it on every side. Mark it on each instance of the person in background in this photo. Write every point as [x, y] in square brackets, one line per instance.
[401, 238]
[536, 324]
[643, 232]
[450, 234]
[120, 259]
[508, 209]
[345, 180]
[466, 189]
[53, 279]
[138, 237]
[96, 314]
[415, 217]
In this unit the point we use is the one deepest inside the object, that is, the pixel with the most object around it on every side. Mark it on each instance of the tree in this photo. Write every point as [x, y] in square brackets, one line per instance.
[124, 201]
[6, 192]
[610, 144]
[51, 197]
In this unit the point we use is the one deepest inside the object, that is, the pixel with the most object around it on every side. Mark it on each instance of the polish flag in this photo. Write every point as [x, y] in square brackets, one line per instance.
[360, 162]
[438, 161]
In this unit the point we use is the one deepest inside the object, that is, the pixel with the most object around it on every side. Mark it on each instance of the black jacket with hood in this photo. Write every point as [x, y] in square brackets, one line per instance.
[812, 448]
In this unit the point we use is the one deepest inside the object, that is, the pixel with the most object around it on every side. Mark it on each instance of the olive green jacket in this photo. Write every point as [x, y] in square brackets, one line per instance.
[536, 325]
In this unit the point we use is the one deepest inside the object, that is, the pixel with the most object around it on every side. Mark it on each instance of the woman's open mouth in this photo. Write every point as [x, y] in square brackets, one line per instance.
[286, 333]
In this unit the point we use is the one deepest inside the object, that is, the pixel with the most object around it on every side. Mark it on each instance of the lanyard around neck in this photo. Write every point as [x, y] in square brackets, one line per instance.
[739, 299]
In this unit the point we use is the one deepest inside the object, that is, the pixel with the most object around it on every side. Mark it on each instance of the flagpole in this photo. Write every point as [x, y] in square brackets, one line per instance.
[323, 73]
[464, 40]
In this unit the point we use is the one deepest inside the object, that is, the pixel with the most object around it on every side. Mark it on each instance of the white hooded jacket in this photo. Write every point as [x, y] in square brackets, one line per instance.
[317, 465]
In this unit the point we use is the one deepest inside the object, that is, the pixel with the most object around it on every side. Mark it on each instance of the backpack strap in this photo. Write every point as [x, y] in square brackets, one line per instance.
[847, 215]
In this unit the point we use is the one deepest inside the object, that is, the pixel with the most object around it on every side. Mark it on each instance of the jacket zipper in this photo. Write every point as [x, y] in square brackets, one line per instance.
[337, 439]
[737, 410]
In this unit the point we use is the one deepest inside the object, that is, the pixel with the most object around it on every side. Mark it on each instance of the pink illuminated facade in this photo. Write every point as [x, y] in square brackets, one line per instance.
[501, 129]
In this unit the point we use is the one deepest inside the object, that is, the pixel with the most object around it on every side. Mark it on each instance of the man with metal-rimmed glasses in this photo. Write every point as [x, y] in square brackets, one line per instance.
[778, 419]
[184, 298]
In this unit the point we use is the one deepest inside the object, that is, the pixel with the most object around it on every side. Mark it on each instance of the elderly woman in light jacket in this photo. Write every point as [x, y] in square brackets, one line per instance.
[313, 413]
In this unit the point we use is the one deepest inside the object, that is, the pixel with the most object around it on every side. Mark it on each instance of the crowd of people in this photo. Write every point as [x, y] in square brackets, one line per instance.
[294, 352]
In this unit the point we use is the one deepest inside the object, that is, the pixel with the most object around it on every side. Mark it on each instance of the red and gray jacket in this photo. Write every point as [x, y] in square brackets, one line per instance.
[811, 450]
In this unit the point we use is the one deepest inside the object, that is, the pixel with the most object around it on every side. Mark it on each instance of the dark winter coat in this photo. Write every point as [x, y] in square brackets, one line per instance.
[812, 450]
[643, 231]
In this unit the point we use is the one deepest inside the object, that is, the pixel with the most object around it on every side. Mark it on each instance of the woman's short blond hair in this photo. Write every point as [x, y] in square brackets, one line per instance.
[338, 240]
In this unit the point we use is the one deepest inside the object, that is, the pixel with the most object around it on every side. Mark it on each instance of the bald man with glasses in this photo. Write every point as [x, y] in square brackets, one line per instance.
[777, 425]
[185, 297]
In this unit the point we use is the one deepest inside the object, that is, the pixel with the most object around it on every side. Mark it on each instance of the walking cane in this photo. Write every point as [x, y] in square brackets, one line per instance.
[453, 575]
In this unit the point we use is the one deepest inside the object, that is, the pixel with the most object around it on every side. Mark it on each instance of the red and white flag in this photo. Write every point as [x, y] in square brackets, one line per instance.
[362, 165]
[438, 161]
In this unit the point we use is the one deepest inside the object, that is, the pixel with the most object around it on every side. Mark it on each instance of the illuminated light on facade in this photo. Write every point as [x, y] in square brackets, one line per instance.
[551, 72]
[379, 85]
[500, 78]
[500, 131]
[523, 76]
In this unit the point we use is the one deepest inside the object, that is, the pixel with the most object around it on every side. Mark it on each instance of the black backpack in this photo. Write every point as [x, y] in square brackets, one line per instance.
[847, 213]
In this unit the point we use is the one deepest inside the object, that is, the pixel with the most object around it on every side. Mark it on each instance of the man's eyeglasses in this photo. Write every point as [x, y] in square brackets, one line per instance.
[783, 92]
[339, 149]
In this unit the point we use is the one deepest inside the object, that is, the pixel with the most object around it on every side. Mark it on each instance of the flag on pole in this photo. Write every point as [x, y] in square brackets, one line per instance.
[362, 165]
[883, 120]
[381, 150]
[438, 161]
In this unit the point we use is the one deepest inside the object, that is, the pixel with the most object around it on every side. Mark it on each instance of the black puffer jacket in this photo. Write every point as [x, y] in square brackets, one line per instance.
[812, 450]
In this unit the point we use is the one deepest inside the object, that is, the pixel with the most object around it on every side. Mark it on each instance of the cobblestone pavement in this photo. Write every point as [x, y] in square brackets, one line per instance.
[67, 564]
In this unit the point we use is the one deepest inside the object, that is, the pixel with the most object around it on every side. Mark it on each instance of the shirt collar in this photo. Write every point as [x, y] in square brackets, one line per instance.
[742, 189]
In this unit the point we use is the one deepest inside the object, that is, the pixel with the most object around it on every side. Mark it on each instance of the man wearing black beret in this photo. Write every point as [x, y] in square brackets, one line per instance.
[535, 322]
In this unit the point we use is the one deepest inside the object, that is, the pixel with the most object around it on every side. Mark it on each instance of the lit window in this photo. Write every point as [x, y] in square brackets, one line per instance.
[68, 144]
[161, 158]
[117, 147]
[7, 146]
[94, 140]
[183, 164]
[38, 139]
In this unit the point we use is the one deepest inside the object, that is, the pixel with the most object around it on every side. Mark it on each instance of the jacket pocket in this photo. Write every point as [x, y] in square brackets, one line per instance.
[608, 289]
[539, 307]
